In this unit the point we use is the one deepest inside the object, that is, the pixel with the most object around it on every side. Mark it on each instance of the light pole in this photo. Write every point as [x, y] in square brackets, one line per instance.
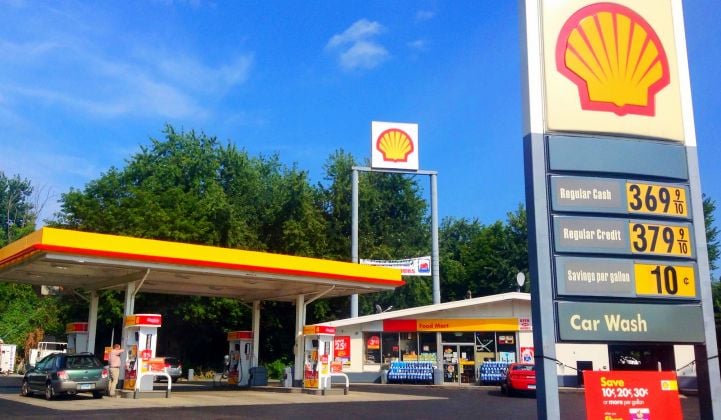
[520, 279]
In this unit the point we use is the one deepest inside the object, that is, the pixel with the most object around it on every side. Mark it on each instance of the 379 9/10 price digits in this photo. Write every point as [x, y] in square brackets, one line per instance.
[649, 238]
[656, 199]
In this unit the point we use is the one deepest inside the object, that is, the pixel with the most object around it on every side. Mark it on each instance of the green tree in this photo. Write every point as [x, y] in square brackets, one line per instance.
[17, 212]
[712, 232]
[393, 223]
[483, 259]
[188, 187]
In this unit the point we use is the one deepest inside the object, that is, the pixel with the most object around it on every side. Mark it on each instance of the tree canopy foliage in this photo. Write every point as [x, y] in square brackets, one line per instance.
[190, 187]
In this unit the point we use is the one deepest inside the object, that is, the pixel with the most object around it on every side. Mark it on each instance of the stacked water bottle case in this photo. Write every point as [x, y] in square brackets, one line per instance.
[411, 372]
[492, 372]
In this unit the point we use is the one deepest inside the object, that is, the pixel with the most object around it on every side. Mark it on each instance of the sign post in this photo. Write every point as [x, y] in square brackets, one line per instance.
[617, 242]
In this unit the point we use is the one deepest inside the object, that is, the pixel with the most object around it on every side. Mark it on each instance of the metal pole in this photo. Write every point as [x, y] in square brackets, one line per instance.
[92, 320]
[354, 238]
[435, 266]
[299, 345]
[256, 332]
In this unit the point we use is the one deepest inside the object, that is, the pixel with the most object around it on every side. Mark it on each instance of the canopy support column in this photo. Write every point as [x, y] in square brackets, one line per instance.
[256, 333]
[92, 320]
[299, 345]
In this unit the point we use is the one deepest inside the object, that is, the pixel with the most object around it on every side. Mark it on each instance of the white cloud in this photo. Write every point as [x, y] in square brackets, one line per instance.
[424, 15]
[418, 44]
[191, 73]
[358, 31]
[363, 54]
[356, 46]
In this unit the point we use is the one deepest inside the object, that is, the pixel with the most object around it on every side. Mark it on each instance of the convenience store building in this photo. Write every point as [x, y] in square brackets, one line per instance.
[458, 337]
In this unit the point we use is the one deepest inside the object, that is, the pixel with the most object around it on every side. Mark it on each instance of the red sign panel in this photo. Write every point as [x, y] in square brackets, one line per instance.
[341, 347]
[631, 395]
[400, 325]
[240, 335]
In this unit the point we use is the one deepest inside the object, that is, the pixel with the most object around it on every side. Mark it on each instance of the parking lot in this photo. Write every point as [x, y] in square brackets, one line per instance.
[372, 401]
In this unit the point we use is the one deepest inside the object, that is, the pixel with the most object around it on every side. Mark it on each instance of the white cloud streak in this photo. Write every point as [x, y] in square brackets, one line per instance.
[357, 48]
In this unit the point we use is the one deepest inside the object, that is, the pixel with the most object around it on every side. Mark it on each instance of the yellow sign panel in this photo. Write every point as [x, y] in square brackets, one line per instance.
[666, 280]
[612, 68]
[463, 324]
[656, 199]
[658, 239]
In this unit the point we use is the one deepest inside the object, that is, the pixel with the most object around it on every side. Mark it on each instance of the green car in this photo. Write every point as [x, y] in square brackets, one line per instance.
[62, 373]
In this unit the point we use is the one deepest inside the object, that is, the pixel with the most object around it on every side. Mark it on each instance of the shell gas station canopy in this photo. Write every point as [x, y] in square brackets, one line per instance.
[90, 261]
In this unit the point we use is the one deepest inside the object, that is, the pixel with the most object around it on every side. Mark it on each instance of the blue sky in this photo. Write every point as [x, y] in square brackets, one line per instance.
[84, 84]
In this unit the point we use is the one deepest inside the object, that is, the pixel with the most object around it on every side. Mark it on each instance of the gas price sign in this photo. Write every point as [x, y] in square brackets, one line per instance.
[656, 199]
[660, 239]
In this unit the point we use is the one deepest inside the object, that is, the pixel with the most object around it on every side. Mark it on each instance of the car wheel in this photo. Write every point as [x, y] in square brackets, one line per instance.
[97, 395]
[25, 389]
[49, 391]
[174, 379]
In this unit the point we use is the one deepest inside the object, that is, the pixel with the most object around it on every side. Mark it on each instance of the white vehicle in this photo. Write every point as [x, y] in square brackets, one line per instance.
[45, 348]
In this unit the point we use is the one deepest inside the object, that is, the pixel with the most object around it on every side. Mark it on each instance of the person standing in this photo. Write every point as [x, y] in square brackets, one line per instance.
[114, 363]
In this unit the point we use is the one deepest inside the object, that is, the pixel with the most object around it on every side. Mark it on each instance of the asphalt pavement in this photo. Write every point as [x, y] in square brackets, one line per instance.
[364, 401]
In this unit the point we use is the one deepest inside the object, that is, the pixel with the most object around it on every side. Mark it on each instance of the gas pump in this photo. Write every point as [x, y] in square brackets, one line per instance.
[77, 333]
[318, 356]
[139, 338]
[240, 352]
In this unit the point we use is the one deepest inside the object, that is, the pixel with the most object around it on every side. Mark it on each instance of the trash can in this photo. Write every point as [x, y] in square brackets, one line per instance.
[437, 376]
[258, 376]
[288, 377]
[191, 374]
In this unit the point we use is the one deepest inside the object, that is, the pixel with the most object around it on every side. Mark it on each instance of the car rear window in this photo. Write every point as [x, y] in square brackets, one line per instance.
[171, 361]
[82, 362]
[524, 367]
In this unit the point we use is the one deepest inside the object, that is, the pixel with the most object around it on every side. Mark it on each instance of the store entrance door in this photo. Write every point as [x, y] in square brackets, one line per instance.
[458, 363]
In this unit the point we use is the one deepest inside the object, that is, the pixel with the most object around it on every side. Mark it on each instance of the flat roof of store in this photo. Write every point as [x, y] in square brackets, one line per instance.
[439, 309]
[92, 261]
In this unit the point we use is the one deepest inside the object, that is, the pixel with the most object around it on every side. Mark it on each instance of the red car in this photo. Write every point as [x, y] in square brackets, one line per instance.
[520, 377]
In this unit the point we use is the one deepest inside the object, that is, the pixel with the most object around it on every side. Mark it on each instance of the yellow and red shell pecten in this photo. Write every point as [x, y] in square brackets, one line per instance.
[614, 57]
[395, 145]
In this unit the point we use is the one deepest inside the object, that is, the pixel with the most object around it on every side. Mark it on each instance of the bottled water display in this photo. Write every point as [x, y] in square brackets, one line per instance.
[492, 372]
[411, 372]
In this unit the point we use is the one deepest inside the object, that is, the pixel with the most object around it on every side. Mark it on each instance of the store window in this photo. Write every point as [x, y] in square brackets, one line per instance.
[427, 344]
[372, 342]
[486, 346]
[409, 346]
[390, 347]
[506, 345]
[457, 337]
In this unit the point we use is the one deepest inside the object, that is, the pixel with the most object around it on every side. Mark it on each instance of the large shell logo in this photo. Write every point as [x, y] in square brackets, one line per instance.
[615, 59]
[395, 145]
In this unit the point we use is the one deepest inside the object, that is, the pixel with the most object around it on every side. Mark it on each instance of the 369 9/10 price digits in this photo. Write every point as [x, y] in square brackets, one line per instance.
[649, 238]
[656, 199]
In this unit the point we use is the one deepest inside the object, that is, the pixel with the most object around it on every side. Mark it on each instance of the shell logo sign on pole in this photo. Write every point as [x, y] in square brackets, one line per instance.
[612, 60]
[394, 145]
[614, 57]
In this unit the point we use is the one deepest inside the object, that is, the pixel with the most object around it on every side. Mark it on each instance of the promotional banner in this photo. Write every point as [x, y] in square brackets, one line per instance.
[341, 348]
[420, 266]
[631, 395]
